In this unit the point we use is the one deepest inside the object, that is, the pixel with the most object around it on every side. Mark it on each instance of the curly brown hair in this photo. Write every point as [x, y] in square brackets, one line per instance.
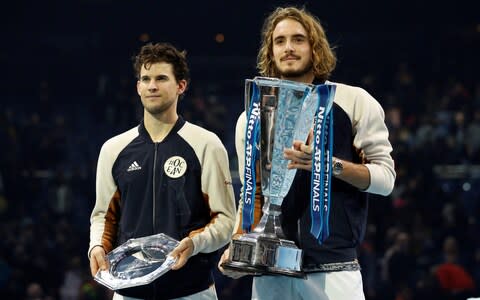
[162, 52]
[323, 56]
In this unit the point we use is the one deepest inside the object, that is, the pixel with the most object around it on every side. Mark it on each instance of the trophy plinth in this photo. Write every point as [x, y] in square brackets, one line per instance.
[265, 250]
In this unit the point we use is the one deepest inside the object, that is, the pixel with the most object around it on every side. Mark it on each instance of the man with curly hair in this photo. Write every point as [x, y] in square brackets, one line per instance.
[294, 47]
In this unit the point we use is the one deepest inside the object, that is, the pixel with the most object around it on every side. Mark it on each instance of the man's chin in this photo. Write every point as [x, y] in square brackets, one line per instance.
[293, 73]
[155, 110]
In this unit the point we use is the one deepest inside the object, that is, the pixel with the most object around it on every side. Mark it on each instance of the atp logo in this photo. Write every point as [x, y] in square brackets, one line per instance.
[175, 166]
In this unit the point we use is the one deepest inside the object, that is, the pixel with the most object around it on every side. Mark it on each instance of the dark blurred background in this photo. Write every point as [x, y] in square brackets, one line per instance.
[67, 85]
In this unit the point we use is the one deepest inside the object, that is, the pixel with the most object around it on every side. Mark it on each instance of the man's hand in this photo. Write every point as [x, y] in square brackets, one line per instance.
[226, 272]
[182, 252]
[363, 157]
[300, 155]
[97, 260]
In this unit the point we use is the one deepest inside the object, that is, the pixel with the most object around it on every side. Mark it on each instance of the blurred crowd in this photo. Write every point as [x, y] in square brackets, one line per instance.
[421, 242]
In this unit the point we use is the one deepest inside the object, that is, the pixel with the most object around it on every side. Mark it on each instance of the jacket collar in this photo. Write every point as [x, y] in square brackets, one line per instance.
[144, 133]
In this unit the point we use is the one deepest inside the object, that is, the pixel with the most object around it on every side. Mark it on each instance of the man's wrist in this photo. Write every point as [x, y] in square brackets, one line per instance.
[337, 167]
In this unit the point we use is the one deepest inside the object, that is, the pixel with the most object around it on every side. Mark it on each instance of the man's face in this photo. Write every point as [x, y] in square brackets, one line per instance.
[292, 52]
[158, 88]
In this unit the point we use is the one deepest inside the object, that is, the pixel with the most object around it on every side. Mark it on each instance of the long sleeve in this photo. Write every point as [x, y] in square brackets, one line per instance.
[370, 135]
[106, 212]
[102, 229]
[218, 191]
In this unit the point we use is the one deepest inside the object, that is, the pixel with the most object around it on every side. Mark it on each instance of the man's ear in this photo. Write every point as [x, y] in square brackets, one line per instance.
[182, 86]
[138, 87]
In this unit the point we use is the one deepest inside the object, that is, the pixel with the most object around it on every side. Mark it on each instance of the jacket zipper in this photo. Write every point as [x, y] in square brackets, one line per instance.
[153, 187]
[153, 203]
[299, 234]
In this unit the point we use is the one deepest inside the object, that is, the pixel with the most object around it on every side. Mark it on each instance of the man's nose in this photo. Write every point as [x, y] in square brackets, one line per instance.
[152, 85]
[289, 46]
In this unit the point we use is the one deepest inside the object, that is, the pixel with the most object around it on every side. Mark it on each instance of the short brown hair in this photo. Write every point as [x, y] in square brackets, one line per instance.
[162, 52]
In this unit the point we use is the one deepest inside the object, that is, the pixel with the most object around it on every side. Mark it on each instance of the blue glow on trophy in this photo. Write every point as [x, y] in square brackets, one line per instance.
[278, 112]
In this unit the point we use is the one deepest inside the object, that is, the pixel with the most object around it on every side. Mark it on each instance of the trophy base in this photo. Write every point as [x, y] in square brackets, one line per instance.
[260, 254]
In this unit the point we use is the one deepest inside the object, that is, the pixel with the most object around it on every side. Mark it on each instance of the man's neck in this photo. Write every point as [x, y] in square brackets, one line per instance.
[159, 126]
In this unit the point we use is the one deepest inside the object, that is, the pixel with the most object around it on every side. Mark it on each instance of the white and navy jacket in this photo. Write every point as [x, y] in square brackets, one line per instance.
[180, 186]
[358, 124]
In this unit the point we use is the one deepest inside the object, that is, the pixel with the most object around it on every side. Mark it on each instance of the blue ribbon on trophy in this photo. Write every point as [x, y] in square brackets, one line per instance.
[321, 161]
[317, 103]
[251, 153]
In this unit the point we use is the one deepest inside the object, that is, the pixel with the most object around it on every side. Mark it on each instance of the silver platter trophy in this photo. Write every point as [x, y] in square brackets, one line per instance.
[138, 262]
[284, 111]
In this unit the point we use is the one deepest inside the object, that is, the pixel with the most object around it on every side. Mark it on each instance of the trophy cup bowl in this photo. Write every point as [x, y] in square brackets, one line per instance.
[287, 110]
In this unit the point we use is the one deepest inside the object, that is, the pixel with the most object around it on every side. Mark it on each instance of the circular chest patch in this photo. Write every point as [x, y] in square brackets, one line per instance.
[175, 166]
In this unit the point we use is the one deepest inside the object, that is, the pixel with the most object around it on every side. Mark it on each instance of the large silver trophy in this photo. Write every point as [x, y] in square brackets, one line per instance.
[286, 112]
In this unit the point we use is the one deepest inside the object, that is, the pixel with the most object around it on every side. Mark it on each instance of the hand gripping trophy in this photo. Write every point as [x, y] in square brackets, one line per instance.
[279, 112]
